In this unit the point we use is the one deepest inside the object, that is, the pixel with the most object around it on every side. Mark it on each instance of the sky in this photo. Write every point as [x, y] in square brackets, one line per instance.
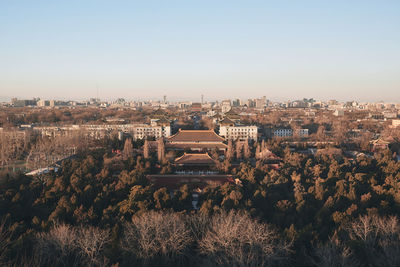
[137, 50]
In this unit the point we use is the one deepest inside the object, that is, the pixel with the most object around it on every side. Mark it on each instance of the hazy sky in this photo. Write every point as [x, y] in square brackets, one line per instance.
[223, 49]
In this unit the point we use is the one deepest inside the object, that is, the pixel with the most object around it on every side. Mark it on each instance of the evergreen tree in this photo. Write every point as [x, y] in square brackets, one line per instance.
[229, 151]
[146, 149]
[238, 150]
[246, 150]
[128, 149]
[160, 150]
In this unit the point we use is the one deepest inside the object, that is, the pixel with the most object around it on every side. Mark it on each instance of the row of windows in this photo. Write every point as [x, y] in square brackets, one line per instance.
[241, 130]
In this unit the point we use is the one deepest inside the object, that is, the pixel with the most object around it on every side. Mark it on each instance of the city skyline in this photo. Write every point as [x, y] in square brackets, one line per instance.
[136, 50]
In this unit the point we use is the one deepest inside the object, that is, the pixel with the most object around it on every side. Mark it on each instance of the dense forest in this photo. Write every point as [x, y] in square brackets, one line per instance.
[101, 210]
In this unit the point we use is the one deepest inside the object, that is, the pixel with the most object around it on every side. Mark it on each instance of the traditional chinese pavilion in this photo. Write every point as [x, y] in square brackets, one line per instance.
[195, 140]
[195, 162]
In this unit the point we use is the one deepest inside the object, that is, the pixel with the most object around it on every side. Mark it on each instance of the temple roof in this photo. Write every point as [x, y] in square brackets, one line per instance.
[196, 146]
[203, 158]
[195, 136]
[230, 112]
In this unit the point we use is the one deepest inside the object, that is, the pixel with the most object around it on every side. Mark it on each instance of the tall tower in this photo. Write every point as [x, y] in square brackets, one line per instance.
[202, 99]
[165, 99]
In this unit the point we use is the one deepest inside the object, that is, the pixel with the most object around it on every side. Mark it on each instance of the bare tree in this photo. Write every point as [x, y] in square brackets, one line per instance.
[68, 246]
[157, 237]
[379, 238]
[234, 239]
[91, 242]
[58, 246]
[12, 145]
[48, 150]
[333, 254]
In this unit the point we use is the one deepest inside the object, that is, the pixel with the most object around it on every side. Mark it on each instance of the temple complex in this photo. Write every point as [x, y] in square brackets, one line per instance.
[195, 140]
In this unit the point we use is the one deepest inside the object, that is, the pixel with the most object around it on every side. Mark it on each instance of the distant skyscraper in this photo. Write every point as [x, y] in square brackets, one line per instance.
[236, 103]
[165, 99]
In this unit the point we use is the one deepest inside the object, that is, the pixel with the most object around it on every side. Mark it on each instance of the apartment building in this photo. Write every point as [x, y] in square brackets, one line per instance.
[395, 123]
[286, 132]
[282, 132]
[137, 131]
[238, 132]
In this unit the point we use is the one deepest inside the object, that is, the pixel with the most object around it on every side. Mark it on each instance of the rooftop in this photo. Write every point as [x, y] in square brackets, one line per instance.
[187, 158]
[227, 121]
[195, 136]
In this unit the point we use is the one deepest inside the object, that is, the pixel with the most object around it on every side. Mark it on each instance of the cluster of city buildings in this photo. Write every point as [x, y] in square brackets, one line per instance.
[136, 131]
[224, 105]
[227, 116]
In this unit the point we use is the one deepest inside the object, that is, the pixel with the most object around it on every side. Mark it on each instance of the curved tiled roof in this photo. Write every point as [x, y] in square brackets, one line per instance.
[196, 146]
[195, 136]
[227, 121]
[195, 159]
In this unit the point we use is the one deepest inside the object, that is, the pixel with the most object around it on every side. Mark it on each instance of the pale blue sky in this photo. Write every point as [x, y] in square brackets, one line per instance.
[222, 49]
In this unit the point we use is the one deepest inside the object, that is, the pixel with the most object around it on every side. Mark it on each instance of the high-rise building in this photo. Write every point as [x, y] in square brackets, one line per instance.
[225, 105]
[236, 103]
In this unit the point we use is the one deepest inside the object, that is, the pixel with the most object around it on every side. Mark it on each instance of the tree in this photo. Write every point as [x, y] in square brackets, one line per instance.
[128, 149]
[157, 237]
[229, 151]
[91, 242]
[58, 246]
[378, 240]
[160, 150]
[70, 246]
[258, 151]
[162, 199]
[333, 253]
[5, 235]
[146, 149]
[234, 239]
[246, 150]
[239, 149]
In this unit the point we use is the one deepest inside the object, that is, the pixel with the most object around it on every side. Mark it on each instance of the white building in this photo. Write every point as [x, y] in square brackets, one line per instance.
[395, 123]
[43, 103]
[144, 131]
[338, 112]
[238, 132]
[283, 133]
[301, 132]
[226, 106]
[389, 115]
[138, 131]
